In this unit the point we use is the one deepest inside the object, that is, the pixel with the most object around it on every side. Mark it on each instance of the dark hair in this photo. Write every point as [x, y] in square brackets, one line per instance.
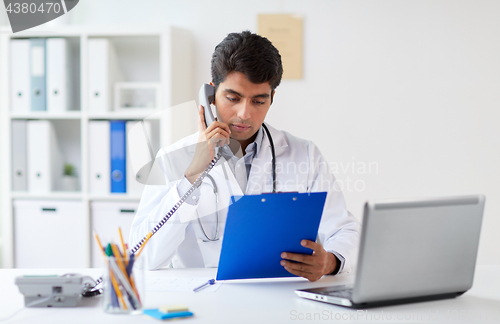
[253, 55]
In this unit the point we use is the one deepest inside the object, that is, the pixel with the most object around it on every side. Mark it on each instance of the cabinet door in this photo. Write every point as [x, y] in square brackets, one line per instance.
[49, 234]
[107, 217]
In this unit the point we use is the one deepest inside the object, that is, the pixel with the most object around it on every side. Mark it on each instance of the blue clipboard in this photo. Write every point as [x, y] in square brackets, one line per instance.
[260, 227]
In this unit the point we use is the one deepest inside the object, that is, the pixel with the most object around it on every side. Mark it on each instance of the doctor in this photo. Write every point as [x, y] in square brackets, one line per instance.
[246, 69]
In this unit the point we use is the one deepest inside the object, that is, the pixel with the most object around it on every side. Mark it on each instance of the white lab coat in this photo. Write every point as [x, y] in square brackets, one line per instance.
[180, 242]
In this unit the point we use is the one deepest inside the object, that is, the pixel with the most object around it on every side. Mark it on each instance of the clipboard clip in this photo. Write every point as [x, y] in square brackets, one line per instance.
[278, 192]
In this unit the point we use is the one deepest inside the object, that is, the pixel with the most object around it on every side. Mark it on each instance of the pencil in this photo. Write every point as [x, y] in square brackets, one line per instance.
[125, 253]
[132, 282]
[117, 289]
[144, 244]
[119, 260]
[100, 245]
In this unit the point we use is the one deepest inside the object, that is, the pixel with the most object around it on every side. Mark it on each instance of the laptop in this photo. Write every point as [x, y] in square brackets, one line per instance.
[411, 251]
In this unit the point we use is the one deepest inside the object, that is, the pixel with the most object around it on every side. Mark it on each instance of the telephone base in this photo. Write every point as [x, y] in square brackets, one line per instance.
[53, 291]
[55, 301]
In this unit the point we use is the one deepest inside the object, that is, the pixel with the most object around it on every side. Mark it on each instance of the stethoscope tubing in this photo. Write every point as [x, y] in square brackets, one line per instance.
[214, 185]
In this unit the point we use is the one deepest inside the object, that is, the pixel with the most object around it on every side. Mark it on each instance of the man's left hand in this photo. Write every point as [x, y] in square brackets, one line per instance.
[311, 267]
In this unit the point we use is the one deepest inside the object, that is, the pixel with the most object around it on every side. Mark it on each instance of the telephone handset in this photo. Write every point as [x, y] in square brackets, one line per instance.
[206, 96]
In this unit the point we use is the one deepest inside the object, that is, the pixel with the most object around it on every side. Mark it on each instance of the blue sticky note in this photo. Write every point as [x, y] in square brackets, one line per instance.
[155, 313]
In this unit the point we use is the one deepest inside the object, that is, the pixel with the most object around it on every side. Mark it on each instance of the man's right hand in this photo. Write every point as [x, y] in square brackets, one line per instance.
[216, 134]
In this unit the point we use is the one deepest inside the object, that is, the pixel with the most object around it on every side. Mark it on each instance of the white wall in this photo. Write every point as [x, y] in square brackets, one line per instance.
[408, 88]
[4, 20]
[3, 122]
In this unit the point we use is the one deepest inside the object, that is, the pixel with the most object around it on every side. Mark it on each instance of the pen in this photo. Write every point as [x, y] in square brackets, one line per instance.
[206, 284]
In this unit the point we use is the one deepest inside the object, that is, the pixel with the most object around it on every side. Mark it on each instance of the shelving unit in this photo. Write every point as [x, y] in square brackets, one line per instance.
[144, 55]
[43, 115]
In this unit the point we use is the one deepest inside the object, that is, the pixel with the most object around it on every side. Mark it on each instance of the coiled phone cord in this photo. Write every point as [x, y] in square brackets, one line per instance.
[195, 185]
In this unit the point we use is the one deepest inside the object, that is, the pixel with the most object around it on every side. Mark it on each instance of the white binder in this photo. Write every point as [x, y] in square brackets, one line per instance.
[106, 218]
[19, 182]
[44, 158]
[38, 73]
[140, 151]
[99, 157]
[20, 77]
[103, 73]
[58, 75]
[49, 234]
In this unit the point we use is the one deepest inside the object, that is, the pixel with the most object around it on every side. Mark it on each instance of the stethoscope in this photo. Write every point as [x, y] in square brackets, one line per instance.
[215, 189]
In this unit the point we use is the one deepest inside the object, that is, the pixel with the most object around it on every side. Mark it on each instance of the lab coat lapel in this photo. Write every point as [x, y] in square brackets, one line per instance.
[220, 177]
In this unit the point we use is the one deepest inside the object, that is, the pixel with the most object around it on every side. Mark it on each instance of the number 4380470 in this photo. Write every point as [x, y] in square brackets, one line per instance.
[25, 7]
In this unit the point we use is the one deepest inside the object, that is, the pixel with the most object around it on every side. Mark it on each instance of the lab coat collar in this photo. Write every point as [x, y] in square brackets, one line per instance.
[260, 178]
[279, 138]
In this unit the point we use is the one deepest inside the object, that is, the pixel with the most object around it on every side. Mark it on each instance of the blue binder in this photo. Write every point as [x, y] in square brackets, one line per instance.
[117, 156]
[260, 227]
[38, 72]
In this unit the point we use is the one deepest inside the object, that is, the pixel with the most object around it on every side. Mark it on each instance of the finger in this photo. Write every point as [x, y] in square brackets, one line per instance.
[220, 132]
[303, 258]
[297, 266]
[316, 247]
[297, 272]
[215, 141]
[218, 124]
[218, 140]
[201, 121]
[308, 276]
[219, 136]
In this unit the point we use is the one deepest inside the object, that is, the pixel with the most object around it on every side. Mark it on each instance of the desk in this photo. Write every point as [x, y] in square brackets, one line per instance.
[261, 301]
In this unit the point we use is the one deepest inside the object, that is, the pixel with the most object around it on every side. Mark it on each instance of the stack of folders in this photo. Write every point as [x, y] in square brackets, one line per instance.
[40, 75]
[110, 159]
[36, 158]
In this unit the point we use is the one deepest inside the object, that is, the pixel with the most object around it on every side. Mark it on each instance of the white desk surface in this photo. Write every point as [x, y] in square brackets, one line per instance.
[260, 301]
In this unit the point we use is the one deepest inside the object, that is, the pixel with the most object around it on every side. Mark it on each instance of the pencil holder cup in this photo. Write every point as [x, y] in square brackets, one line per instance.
[123, 285]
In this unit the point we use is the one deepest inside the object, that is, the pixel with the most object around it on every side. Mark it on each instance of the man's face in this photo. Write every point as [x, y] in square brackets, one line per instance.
[242, 105]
